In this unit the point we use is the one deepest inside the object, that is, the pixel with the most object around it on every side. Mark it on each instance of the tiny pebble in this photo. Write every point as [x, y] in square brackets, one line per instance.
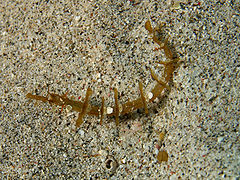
[220, 139]
[82, 133]
[109, 110]
[150, 95]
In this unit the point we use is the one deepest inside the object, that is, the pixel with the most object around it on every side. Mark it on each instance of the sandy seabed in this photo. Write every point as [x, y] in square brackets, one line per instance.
[72, 45]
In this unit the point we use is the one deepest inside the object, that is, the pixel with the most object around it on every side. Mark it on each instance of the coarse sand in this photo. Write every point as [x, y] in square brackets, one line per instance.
[68, 46]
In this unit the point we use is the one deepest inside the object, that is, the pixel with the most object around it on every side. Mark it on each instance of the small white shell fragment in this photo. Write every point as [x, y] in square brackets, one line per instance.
[123, 160]
[150, 95]
[81, 132]
[77, 18]
[109, 110]
[98, 75]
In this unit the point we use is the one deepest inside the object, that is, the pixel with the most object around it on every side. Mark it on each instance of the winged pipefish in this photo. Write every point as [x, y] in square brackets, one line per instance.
[85, 108]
